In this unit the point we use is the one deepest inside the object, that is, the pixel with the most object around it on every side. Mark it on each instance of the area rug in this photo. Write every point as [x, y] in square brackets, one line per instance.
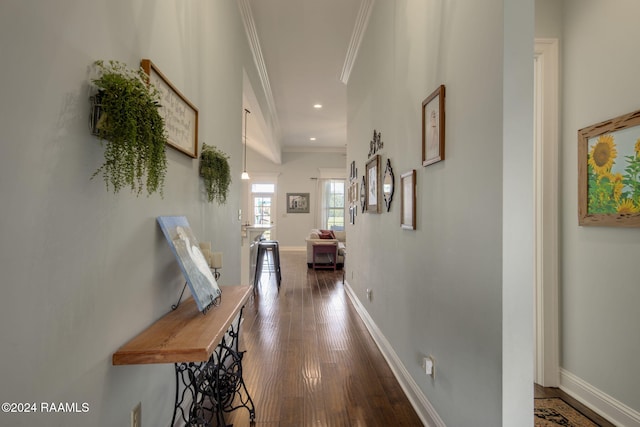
[554, 411]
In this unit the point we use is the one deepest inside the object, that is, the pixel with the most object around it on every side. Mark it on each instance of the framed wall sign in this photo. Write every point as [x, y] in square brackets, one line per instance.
[408, 200]
[374, 186]
[609, 172]
[433, 127]
[179, 114]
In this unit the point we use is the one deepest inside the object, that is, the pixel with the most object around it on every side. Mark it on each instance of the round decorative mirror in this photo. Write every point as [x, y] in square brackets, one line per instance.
[363, 195]
[387, 185]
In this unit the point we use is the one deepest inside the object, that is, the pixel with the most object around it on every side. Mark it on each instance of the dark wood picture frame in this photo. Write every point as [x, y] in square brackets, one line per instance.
[179, 114]
[408, 200]
[608, 172]
[433, 127]
[353, 171]
[374, 184]
[354, 200]
[363, 194]
[298, 202]
[388, 185]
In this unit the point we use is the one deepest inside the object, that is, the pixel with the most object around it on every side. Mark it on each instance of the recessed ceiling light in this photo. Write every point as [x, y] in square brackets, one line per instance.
[317, 106]
[312, 138]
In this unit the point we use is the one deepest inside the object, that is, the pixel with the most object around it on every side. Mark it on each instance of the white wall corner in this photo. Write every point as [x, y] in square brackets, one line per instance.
[419, 401]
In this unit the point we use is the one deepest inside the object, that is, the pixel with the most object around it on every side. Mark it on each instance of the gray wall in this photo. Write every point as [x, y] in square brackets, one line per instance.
[549, 18]
[84, 270]
[295, 176]
[439, 290]
[599, 277]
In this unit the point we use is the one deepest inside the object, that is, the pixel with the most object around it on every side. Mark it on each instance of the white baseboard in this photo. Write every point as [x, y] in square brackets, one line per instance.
[419, 401]
[603, 404]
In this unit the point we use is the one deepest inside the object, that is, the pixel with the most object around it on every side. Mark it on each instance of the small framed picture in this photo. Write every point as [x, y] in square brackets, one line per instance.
[353, 193]
[433, 127]
[353, 171]
[363, 194]
[297, 202]
[374, 189]
[408, 200]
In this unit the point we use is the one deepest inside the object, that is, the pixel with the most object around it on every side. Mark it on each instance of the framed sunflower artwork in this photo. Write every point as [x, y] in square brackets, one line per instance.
[609, 172]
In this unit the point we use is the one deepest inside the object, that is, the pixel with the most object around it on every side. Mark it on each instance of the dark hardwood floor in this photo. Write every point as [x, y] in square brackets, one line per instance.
[544, 392]
[310, 361]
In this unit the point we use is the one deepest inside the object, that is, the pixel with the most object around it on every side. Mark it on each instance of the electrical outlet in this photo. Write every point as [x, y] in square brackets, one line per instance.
[369, 294]
[429, 365]
[136, 415]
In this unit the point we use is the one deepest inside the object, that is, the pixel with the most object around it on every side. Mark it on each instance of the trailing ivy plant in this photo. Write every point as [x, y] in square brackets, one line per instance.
[132, 127]
[215, 170]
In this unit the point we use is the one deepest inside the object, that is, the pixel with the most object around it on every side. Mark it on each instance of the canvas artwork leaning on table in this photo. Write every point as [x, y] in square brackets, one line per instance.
[194, 266]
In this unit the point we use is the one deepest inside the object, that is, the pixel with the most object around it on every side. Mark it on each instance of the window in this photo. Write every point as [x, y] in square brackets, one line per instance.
[262, 204]
[261, 210]
[333, 205]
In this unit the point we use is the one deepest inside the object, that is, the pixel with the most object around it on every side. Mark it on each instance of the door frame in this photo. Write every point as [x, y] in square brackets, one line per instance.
[546, 182]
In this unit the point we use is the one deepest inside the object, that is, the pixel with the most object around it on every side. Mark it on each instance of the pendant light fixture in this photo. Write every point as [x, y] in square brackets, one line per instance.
[245, 175]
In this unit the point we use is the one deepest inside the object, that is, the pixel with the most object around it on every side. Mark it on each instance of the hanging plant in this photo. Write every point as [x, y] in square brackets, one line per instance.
[214, 168]
[132, 127]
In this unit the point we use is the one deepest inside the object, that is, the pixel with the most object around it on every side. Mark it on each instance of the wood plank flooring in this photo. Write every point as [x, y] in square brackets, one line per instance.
[310, 360]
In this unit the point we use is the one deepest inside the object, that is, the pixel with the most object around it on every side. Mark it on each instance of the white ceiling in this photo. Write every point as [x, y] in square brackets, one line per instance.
[307, 48]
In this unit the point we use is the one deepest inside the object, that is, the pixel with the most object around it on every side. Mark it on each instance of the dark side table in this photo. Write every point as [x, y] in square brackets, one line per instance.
[326, 252]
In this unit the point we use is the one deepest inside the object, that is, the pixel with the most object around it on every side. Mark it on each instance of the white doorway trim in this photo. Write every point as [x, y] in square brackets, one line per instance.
[546, 110]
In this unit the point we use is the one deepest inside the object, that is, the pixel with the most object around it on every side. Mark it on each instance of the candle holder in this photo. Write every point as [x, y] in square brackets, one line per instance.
[215, 262]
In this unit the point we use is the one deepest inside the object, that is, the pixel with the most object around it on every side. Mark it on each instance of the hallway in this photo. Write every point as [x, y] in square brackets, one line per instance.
[310, 359]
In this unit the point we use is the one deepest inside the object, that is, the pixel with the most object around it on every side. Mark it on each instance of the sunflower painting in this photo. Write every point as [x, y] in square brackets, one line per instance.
[614, 181]
[611, 172]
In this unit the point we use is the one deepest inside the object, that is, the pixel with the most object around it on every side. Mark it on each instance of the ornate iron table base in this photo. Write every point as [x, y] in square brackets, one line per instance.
[206, 390]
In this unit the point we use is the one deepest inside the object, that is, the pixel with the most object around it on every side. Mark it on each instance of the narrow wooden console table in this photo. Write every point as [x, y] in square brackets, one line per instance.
[204, 349]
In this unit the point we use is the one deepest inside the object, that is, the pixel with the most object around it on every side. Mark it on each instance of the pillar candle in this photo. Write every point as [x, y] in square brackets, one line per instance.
[216, 260]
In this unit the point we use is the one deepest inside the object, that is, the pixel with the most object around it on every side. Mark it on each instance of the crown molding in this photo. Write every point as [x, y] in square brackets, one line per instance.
[362, 20]
[303, 149]
[258, 59]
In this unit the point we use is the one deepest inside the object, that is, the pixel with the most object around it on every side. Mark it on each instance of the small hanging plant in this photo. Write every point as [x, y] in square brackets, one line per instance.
[131, 125]
[215, 170]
